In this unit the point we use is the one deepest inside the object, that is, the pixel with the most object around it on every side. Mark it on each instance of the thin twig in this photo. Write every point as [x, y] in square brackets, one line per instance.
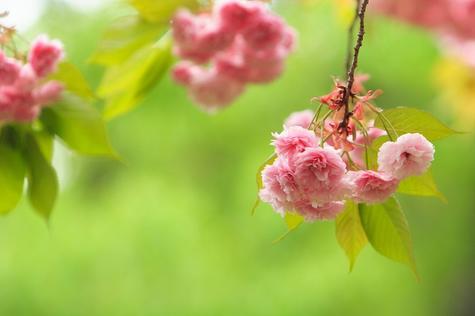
[354, 64]
[351, 31]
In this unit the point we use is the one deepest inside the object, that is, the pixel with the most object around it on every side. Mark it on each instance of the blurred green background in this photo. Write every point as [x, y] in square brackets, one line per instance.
[169, 232]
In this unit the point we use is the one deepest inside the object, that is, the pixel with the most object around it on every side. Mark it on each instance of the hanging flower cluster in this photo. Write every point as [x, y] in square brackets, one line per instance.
[320, 163]
[239, 43]
[452, 20]
[24, 87]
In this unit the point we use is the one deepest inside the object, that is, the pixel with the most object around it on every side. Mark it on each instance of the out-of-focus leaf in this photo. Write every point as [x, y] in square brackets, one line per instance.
[293, 221]
[73, 80]
[161, 10]
[124, 86]
[387, 230]
[79, 125]
[423, 185]
[123, 38]
[45, 142]
[42, 179]
[12, 176]
[409, 120]
[269, 161]
[349, 232]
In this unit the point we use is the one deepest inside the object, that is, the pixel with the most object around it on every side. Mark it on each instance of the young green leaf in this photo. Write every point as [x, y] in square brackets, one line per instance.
[161, 10]
[42, 179]
[74, 81]
[409, 120]
[79, 125]
[387, 230]
[123, 38]
[125, 85]
[349, 232]
[269, 161]
[293, 221]
[45, 142]
[373, 150]
[12, 176]
[423, 185]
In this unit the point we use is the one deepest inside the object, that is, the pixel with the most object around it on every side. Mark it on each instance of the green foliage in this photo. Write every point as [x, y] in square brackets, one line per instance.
[349, 232]
[45, 142]
[137, 53]
[123, 38]
[423, 185]
[373, 150]
[125, 85]
[160, 11]
[79, 125]
[12, 174]
[387, 231]
[42, 179]
[74, 81]
[293, 220]
[404, 120]
[269, 161]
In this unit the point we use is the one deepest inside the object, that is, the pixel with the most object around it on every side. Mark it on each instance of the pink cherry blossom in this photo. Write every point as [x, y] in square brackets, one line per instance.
[24, 91]
[279, 186]
[16, 104]
[410, 155]
[239, 43]
[27, 78]
[237, 16]
[199, 37]
[9, 69]
[371, 187]
[213, 91]
[45, 54]
[185, 73]
[266, 34]
[293, 140]
[312, 211]
[48, 93]
[319, 173]
[301, 118]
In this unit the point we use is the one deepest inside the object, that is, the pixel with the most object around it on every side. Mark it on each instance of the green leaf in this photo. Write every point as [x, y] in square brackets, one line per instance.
[42, 179]
[409, 120]
[125, 85]
[45, 142]
[373, 150]
[12, 176]
[293, 221]
[423, 185]
[387, 230]
[350, 233]
[123, 38]
[269, 161]
[161, 10]
[74, 81]
[79, 125]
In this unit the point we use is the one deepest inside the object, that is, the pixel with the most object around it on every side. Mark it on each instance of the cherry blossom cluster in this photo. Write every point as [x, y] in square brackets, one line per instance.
[238, 43]
[24, 87]
[451, 19]
[318, 165]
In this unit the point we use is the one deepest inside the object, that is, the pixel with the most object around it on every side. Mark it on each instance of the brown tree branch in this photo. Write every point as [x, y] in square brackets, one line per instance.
[361, 11]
